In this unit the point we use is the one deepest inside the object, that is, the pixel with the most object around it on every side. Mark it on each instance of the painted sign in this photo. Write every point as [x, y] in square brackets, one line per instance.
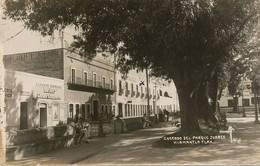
[48, 91]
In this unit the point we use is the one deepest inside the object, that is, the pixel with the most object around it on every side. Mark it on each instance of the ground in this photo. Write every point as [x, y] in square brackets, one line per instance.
[136, 148]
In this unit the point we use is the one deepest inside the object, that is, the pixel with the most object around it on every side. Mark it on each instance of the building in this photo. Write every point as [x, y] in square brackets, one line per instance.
[88, 85]
[32, 101]
[132, 96]
[245, 94]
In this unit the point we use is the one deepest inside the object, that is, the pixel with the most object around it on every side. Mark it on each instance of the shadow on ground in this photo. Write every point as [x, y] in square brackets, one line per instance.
[135, 148]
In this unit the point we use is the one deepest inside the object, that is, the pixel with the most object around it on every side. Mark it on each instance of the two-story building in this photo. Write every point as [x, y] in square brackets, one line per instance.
[132, 95]
[87, 86]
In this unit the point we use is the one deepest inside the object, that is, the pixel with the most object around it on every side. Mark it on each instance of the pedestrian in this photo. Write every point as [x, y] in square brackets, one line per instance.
[167, 115]
[86, 130]
[83, 130]
[146, 121]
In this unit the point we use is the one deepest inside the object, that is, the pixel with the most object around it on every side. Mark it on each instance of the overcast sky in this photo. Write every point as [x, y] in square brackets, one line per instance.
[26, 41]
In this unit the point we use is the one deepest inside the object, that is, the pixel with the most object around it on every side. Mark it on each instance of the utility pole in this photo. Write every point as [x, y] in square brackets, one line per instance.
[148, 100]
[155, 101]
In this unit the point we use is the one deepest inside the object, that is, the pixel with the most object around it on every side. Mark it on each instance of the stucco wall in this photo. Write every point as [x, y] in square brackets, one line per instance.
[33, 89]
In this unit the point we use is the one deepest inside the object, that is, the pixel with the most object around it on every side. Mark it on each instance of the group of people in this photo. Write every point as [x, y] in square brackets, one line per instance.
[83, 129]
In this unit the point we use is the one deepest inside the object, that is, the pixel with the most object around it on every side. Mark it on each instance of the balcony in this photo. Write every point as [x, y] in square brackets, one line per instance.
[132, 93]
[137, 94]
[142, 96]
[127, 92]
[121, 92]
[89, 85]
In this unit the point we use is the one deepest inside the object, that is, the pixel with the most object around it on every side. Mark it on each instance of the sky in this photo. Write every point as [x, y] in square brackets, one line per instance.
[26, 40]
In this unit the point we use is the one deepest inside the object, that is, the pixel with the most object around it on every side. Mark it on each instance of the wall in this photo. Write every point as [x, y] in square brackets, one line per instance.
[46, 63]
[247, 94]
[34, 90]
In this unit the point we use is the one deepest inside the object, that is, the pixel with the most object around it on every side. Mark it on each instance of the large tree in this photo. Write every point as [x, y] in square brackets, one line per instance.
[182, 40]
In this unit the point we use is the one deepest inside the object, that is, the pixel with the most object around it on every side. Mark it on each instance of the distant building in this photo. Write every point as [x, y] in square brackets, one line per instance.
[245, 94]
[132, 95]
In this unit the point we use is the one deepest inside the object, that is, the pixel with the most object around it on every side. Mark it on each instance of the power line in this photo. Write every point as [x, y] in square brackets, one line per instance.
[14, 35]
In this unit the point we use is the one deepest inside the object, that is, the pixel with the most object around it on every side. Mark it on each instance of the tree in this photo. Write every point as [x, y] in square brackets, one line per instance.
[181, 40]
[237, 70]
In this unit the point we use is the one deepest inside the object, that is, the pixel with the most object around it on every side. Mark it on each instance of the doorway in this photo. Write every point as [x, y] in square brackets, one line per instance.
[43, 115]
[23, 116]
[95, 109]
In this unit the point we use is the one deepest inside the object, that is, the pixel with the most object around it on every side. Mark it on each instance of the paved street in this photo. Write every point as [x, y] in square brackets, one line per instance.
[136, 148]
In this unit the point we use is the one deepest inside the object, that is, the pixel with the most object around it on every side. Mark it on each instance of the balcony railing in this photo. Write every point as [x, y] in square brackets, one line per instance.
[91, 83]
[137, 94]
[132, 93]
[127, 92]
[121, 92]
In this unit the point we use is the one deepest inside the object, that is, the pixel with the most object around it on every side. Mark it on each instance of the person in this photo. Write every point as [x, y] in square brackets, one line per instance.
[83, 130]
[167, 115]
[146, 121]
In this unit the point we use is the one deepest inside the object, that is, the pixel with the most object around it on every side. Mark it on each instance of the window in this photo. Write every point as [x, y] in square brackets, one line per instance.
[104, 82]
[85, 78]
[55, 112]
[230, 103]
[83, 111]
[77, 110]
[73, 75]
[136, 88]
[126, 110]
[132, 87]
[94, 79]
[246, 102]
[106, 111]
[126, 86]
[102, 110]
[133, 110]
[113, 111]
[141, 89]
[111, 84]
[120, 84]
[88, 110]
[71, 111]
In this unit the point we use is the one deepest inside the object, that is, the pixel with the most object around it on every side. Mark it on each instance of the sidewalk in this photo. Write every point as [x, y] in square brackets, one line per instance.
[76, 153]
[135, 148]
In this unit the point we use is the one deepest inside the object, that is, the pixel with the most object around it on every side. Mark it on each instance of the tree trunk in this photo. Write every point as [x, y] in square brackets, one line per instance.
[189, 118]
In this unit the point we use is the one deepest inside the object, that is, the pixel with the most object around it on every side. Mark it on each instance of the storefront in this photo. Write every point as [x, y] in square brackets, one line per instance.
[32, 101]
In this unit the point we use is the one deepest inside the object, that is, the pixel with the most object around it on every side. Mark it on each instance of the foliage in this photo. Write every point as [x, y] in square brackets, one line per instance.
[183, 40]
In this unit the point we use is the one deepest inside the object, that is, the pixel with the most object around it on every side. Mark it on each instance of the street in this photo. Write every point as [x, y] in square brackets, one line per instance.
[136, 148]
